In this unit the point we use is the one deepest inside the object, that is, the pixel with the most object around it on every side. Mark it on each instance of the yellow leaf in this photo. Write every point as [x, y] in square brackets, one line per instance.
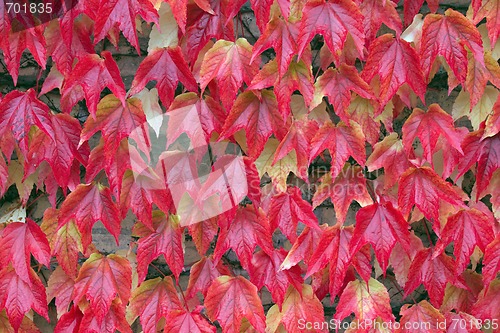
[479, 112]
[23, 185]
[279, 171]
[166, 34]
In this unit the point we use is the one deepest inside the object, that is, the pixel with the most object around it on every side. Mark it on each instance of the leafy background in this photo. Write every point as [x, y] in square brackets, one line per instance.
[372, 153]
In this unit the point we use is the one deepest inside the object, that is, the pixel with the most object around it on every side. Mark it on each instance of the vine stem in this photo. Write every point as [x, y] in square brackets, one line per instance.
[401, 291]
[428, 233]
[154, 266]
[182, 294]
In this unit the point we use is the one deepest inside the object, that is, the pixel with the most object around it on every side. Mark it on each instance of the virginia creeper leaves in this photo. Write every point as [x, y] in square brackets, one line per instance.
[230, 299]
[396, 63]
[87, 204]
[167, 67]
[347, 147]
[334, 20]
[229, 63]
[152, 300]
[423, 188]
[122, 13]
[260, 118]
[102, 280]
[367, 301]
[19, 241]
[381, 225]
[88, 78]
[446, 35]
[19, 111]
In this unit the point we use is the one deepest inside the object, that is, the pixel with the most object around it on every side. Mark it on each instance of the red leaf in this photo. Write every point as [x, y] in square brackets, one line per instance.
[184, 321]
[230, 299]
[64, 53]
[179, 9]
[486, 152]
[265, 271]
[115, 120]
[249, 228]
[260, 118]
[202, 274]
[342, 141]
[488, 303]
[333, 249]
[413, 7]
[262, 11]
[401, 260]
[336, 84]
[65, 242]
[152, 300]
[382, 226]
[60, 287]
[333, 20]
[60, 150]
[349, 185]
[478, 76]
[13, 45]
[434, 272]
[303, 248]
[20, 241]
[281, 35]
[298, 77]
[377, 12]
[466, 229]
[88, 78]
[121, 14]
[102, 280]
[462, 323]
[4, 176]
[287, 209]
[366, 300]
[413, 317]
[87, 204]
[299, 306]
[396, 63]
[428, 127]
[491, 10]
[202, 26]
[195, 116]
[299, 137]
[166, 239]
[424, 188]
[114, 162]
[17, 296]
[167, 67]
[21, 110]
[203, 234]
[390, 155]
[113, 320]
[491, 261]
[229, 64]
[459, 299]
[447, 35]
[493, 121]
[70, 321]
[136, 196]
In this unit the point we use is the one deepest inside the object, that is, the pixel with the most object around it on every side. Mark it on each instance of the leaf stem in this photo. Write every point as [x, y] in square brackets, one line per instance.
[428, 233]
